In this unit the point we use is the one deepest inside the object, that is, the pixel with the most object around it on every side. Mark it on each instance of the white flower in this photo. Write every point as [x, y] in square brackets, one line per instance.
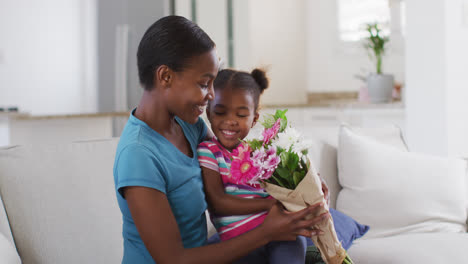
[301, 146]
[287, 139]
[255, 133]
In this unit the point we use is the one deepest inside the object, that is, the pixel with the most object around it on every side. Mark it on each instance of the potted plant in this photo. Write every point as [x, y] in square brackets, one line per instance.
[379, 85]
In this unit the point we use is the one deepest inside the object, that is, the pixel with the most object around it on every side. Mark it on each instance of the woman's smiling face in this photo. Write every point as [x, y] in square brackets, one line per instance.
[191, 89]
[232, 115]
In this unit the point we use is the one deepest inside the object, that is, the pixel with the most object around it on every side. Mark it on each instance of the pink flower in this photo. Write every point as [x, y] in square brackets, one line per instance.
[270, 166]
[243, 170]
[271, 133]
[242, 150]
[265, 162]
[250, 168]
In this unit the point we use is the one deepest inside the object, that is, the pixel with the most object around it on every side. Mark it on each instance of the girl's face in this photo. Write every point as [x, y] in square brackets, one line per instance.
[191, 89]
[232, 115]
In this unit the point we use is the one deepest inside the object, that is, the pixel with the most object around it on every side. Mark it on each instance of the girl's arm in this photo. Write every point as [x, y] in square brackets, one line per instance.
[226, 204]
[158, 229]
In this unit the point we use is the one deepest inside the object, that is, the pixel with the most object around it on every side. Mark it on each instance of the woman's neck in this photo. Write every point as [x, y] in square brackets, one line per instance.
[154, 112]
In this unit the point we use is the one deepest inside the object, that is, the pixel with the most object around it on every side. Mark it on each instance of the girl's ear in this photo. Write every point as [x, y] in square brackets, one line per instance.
[257, 115]
[163, 76]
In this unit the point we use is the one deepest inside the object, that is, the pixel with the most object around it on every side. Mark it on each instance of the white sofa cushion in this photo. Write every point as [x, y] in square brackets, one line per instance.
[8, 254]
[427, 248]
[399, 192]
[323, 152]
[61, 203]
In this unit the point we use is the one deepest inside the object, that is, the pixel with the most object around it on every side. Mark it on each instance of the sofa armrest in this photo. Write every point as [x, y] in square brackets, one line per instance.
[8, 253]
[4, 224]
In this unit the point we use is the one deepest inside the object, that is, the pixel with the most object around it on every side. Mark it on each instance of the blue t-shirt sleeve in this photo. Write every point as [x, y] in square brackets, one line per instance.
[202, 130]
[138, 166]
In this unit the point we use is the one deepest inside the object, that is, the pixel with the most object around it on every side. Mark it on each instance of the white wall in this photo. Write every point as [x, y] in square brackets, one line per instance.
[115, 16]
[331, 63]
[48, 58]
[212, 17]
[267, 33]
[437, 92]
[241, 34]
[43, 65]
[277, 41]
[456, 13]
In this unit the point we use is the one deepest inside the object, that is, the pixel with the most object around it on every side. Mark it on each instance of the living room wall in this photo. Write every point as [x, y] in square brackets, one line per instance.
[69, 48]
[59, 56]
[331, 62]
[46, 57]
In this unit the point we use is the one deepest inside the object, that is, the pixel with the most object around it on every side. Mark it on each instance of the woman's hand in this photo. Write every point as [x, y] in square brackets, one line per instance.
[281, 225]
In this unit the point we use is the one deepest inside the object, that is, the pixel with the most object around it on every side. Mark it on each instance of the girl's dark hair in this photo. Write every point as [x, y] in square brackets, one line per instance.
[171, 41]
[255, 82]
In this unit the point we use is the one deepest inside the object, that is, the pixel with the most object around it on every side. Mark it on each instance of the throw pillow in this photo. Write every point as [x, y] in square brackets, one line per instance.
[399, 192]
[323, 152]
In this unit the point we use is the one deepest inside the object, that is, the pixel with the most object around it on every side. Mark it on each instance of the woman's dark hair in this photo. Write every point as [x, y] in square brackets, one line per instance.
[255, 82]
[171, 41]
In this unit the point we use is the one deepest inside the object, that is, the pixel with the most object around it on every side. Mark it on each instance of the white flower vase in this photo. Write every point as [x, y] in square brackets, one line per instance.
[380, 87]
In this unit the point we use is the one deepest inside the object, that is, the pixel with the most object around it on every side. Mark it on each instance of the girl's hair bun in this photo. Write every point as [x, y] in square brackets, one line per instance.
[260, 78]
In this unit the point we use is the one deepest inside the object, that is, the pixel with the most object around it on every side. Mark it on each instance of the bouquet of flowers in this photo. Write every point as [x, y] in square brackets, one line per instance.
[278, 161]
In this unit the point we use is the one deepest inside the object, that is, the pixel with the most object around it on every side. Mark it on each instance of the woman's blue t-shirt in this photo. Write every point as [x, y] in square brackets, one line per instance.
[145, 158]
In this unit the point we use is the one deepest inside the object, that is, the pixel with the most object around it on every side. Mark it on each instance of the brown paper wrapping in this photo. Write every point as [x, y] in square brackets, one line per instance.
[309, 192]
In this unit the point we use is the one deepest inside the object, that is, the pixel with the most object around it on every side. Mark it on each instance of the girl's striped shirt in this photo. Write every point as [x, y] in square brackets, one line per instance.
[212, 155]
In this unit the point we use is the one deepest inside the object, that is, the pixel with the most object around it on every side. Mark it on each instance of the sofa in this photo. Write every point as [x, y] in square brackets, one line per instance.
[59, 206]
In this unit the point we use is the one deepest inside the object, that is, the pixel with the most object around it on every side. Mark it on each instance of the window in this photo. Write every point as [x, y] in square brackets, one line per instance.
[353, 15]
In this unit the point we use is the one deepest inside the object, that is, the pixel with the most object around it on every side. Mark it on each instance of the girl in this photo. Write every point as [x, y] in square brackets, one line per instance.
[156, 171]
[236, 209]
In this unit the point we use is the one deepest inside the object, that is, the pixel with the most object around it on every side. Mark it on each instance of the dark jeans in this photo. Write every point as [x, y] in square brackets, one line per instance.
[277, 252]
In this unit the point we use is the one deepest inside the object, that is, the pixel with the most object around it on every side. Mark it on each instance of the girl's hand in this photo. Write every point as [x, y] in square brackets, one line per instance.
[281, 225]
[326, 193]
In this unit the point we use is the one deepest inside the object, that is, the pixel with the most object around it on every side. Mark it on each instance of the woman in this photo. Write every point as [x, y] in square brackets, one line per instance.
[156, 171]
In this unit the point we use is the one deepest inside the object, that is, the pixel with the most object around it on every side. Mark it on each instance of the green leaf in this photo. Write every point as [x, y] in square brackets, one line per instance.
[268, 121]
[279, 150]
[284, 156]
[279, 181]
[281, 114]
[293, 161]
[283, 173]
[304, 163]
[255, 144]
[286, 177]
[297, 178]
[375, 42]
[283, 125]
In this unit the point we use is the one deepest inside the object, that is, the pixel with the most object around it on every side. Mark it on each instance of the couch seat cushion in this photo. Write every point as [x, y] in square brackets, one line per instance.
[428, 248]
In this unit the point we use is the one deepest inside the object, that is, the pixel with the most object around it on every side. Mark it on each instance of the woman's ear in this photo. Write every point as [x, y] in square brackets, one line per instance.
[163, 76]
[257, 115]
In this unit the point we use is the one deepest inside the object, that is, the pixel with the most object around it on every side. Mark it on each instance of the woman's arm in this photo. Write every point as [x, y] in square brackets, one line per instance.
[226, 204]
[158, 229]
